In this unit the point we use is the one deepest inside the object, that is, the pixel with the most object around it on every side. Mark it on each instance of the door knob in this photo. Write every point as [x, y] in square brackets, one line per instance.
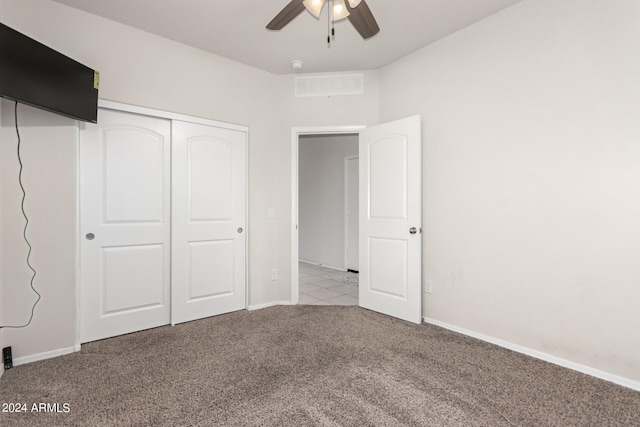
[239, 229]
[90, 236]
[413, 230]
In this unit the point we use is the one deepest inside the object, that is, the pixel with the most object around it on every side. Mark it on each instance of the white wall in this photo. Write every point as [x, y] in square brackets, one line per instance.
[48, 152]
[321, 200]
[531, 177]
[349, 110]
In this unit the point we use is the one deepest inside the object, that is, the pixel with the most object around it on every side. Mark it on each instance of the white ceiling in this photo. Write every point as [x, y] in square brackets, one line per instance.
[236, 29]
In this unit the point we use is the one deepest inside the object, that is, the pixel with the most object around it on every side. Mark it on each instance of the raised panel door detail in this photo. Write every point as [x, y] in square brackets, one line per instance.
[210, 179]
[210, 269]
[133, 175]
[388, 267]
[387, 178]
[133, 278]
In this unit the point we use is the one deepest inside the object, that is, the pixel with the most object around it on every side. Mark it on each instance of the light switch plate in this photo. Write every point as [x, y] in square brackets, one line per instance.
[428, 286]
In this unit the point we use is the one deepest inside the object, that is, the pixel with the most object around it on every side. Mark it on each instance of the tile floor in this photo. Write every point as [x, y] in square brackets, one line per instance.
[316, 289]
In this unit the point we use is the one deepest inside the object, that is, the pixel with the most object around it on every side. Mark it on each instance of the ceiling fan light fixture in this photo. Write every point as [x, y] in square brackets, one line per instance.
[314, 6]
[340, 11]
[357, 11]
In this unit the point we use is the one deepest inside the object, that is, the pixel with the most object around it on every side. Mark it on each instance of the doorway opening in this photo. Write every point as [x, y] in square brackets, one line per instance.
[390, 231]
[323, 215]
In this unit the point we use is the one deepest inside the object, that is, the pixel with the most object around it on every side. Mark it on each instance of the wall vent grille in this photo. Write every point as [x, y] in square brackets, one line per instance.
[338, 85]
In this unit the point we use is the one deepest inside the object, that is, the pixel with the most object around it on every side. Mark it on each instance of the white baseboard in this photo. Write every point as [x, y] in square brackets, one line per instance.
[625, 382]
[268, 304]
[323, 265]
[46, 355]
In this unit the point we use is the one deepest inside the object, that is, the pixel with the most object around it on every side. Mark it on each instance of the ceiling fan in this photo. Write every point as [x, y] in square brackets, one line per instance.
[357, 11]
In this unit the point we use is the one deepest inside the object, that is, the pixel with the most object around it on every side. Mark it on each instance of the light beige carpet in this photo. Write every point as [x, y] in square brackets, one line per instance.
[309, 365]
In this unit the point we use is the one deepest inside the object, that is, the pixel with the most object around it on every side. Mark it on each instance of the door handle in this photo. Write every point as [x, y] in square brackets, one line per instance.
[413, 230]
[90, 236]
[240, 230]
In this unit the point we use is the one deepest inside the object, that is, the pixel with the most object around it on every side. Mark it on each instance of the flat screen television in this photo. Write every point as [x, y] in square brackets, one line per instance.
[37, 75]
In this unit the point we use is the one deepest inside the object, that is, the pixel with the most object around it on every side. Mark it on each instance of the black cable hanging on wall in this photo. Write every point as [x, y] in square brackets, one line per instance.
[24, 231]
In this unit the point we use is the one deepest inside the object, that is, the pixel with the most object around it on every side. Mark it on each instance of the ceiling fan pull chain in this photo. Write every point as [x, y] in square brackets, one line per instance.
[329, 7]
[333, 21]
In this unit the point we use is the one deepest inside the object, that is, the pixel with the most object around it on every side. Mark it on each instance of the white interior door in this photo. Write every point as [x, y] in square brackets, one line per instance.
[352, 212]
[390, 219]
[209, 221]
[124, 224]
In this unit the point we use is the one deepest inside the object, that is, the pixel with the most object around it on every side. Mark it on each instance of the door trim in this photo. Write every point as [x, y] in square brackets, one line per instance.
[296, 132]
[128, 108]
[347, 195]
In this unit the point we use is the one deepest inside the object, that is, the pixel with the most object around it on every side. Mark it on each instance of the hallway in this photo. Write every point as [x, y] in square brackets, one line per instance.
[326, 286]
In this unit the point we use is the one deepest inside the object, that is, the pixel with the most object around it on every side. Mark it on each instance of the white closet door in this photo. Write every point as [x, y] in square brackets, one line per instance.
[208, 222]
[124, 224]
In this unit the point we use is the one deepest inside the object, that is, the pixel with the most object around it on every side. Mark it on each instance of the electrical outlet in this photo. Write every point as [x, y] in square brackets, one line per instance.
[274, 274]
[7, 358]
[428, 286]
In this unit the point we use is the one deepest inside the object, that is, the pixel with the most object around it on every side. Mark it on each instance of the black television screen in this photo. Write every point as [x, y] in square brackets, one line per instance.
[35, 74]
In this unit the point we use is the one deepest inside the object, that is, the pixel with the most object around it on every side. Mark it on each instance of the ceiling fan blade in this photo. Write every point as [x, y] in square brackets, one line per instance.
[286, 15]
[362, 18]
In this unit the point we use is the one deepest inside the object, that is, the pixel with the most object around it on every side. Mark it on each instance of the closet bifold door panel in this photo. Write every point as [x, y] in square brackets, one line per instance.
[125, 223]
[208, 221]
